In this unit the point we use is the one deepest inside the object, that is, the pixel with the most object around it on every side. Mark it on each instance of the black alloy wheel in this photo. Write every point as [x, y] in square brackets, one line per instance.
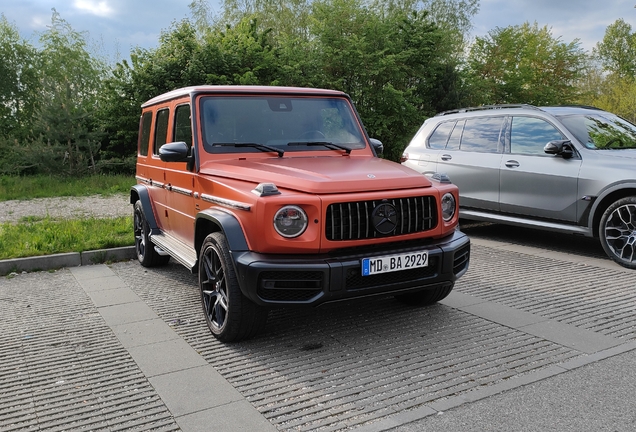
[229, 314]
[145, 250]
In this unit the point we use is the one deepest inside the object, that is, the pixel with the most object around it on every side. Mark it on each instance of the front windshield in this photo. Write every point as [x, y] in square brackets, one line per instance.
[606, 131]
[271, 122]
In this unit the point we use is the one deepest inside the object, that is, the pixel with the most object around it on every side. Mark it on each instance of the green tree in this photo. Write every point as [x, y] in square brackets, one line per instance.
[617, 50]
[610, 81]
[188, 54]
[524, 64]
[18, 82]
[71, 80]
[394, 63]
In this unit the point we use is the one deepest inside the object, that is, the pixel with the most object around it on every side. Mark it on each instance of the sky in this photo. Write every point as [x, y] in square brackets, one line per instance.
[116, 26]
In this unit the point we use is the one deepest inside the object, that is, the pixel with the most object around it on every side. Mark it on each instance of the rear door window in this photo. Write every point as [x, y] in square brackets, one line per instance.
[482, 135]
[144, 136]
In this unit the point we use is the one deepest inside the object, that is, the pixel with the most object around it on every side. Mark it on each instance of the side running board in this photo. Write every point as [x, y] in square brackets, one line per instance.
[178, 250]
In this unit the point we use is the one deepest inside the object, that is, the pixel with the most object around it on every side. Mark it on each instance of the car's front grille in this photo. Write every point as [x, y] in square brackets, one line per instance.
[354, 220]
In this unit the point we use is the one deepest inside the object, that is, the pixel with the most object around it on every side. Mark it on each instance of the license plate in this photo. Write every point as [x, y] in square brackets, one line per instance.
[392, 263]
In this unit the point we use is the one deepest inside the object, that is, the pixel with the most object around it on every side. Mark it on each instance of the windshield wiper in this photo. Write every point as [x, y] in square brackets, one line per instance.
[261, 147]
[327, 144]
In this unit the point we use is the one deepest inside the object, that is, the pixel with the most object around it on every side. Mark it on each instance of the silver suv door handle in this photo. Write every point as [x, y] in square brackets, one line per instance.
[512, 164]
[446, 157]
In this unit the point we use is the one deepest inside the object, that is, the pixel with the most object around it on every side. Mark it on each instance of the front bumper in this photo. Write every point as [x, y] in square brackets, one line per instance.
[277, 280]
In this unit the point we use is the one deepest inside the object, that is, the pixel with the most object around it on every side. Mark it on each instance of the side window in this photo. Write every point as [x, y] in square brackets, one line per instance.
[529, 135]
[144, 136]
[482, 135]
[161, 129]
[182, 125]
[439, 138]
[456, 136]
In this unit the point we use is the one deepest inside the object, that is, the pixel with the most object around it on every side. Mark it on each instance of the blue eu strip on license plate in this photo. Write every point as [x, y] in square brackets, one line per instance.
[392, 263]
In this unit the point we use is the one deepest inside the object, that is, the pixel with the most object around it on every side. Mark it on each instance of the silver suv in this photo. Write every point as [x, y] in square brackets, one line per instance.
[566, 169]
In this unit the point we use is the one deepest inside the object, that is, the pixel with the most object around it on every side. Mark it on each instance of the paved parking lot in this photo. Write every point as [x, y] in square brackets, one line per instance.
[121, 347]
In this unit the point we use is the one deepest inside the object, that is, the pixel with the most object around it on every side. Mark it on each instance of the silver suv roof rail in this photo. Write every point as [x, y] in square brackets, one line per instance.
[487, 107]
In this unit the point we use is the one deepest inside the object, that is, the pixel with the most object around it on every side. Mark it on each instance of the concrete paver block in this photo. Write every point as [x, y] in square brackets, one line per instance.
[102, 283]
[127, 313]
[115, 296]
[576, 338]
[237, 416]
[165, 357]
[191, 390]
[144, 332]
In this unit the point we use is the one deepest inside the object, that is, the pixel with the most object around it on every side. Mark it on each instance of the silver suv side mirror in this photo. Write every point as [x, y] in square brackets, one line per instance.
[561, 148]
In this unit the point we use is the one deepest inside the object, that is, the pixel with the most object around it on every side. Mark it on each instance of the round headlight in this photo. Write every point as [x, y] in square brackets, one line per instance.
[290, 221]
[448, 206]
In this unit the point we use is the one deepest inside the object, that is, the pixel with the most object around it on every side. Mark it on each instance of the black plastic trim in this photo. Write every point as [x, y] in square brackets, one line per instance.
[140, 192]
[228, 224]
[250, 265]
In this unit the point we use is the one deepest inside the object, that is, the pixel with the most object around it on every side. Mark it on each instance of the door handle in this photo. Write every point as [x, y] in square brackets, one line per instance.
[512, 164]
[446, 157]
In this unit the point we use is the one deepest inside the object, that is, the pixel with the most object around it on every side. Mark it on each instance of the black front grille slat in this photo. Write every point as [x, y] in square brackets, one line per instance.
[354, 220]
[342, 224]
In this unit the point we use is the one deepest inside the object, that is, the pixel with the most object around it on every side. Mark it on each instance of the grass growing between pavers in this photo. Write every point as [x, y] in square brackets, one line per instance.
[28, 187]
[45, 236]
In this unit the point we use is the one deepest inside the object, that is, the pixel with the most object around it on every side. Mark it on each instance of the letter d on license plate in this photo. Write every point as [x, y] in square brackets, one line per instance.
[391, 263]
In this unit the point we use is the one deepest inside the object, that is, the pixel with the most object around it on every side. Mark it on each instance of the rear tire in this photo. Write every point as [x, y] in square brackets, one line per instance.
[230, 315]
[425, 297]
[145, 250]
[617, 232]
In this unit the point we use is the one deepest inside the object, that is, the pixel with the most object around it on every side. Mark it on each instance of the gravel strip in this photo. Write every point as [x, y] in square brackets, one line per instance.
[66, 207]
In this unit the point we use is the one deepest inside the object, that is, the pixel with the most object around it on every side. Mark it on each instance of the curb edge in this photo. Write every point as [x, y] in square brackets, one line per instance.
[70, 259]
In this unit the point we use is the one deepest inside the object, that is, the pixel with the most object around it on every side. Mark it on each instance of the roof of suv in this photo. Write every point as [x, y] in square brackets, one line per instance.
[553, 110]
[230, 89]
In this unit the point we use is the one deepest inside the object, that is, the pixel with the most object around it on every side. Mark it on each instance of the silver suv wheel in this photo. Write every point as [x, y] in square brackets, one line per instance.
[617, 232]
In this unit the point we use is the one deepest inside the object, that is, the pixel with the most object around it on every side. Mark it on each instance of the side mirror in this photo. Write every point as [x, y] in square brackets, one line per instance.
[377, 146]
[174, 152]
[561, 148]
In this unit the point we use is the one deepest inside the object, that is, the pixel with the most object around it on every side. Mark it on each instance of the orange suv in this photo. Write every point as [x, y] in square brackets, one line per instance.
[275, 196]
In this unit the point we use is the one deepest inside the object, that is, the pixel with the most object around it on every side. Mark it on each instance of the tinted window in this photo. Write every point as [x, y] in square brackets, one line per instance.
[289, 123]
[183, 125]
[144, 137]
[529, 135]
[456, 136]
[601, 131]
[161, 129]
[440, 136]
[482, 134]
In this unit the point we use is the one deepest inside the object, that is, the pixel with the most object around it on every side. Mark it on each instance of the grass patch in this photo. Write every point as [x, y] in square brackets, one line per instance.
[27, 187]
[36, 237]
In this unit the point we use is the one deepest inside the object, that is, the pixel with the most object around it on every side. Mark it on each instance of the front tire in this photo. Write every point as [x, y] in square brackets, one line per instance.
[425, 297]
[617, 232]
[145, 250]
[229, 314]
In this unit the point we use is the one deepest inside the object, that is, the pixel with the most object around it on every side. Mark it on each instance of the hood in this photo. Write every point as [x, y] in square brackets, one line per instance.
[321, 174]
[618, 153]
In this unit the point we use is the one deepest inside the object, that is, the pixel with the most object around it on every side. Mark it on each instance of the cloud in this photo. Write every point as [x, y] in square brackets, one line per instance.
[585, 20]
[98, 8]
